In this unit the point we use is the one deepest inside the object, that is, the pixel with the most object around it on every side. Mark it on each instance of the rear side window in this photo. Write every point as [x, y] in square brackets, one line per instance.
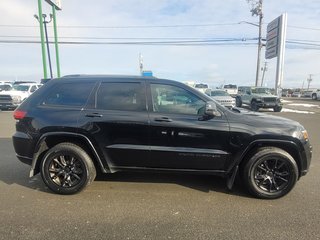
[121, 96]
[69, 94]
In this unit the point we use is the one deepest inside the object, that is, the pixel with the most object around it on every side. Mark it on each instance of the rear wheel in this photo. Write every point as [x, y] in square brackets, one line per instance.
[67, 169]
[314, 96]
[270, 173]
[238, 102]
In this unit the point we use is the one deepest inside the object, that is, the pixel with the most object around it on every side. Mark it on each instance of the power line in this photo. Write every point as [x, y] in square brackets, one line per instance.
[164, 43]
[150, 26]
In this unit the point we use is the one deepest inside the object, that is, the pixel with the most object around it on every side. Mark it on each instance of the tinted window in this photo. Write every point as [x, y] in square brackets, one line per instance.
[172, 99]
[121, 96]
[68, 94]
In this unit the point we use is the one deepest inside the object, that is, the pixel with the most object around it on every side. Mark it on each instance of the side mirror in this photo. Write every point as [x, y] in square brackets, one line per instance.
[210, 111]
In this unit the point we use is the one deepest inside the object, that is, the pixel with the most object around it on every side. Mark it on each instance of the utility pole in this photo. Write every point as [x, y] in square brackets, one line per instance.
[257, 11]
[141, 63]
[309, 80]
[264, 69]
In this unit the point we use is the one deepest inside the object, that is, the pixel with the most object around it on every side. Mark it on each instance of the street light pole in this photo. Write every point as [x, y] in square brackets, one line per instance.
[43, 51]
[48, 49]
[56, 40]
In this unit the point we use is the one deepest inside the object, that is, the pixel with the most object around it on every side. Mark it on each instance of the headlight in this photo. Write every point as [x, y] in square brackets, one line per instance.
[302, 134]
[305, 135]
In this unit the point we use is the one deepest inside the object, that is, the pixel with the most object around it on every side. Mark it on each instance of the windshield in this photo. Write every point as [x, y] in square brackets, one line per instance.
[5, 87]
[219, 93]
[22, 88]
[201, 86]
[230, 86]
[261, 90]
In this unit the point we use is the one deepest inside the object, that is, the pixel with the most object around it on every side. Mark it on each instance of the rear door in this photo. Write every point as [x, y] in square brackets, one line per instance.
[117, 120]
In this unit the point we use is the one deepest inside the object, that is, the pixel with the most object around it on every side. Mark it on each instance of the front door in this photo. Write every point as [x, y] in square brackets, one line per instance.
[179, 138]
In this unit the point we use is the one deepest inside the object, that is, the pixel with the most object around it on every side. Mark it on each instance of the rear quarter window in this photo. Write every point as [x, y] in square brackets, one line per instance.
[68, 94]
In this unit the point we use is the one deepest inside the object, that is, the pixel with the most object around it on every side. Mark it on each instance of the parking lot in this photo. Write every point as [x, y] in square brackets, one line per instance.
[158, 206]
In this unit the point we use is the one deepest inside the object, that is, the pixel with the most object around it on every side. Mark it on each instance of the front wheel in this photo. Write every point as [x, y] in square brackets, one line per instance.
[270, 173]
[277, 108]
[254, 106]
[314, 96]
[67, 168]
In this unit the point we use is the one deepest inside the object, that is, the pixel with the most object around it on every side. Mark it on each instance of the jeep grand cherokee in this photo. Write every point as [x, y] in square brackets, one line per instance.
[79, 124]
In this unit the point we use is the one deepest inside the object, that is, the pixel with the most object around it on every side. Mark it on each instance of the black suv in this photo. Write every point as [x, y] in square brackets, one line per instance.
[78, 124]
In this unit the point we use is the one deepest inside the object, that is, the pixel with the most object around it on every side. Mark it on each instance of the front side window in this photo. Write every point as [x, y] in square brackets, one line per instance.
[123, 96]
[172, 99]
[69, 94]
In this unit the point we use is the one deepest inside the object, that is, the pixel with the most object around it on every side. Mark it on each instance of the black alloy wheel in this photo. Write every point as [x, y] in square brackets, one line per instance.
[67, 169]
[270, 173]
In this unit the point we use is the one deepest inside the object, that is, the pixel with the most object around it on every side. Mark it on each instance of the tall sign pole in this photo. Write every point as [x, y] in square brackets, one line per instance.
[43, 49]
[282, 46]
[275, 46]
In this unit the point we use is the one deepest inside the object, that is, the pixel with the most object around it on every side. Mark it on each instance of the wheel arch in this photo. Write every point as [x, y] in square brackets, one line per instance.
[288, 146]
[48, 140]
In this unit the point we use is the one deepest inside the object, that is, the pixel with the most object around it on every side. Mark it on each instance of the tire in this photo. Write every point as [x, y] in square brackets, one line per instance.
[238, 102]
[67, 169]
[314, 96]
[270, 173]
[254, 106]
[277, 108]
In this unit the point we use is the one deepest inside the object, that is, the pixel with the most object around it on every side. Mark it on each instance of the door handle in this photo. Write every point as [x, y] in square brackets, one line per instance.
[163, 119]
[93, 115]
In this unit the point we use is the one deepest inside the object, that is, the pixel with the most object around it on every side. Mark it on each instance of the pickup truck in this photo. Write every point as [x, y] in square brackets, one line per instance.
[19, 92]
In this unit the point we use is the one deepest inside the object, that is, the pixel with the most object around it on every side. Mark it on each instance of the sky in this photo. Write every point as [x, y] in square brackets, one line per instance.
[203, 41]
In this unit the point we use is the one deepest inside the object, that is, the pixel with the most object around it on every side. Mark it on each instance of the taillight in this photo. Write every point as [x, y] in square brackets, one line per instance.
[18, 114]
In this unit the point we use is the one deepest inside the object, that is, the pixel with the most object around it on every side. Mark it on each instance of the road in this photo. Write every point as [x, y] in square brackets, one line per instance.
[157, 206]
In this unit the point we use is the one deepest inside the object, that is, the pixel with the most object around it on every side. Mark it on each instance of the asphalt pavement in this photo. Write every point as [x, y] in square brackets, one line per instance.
[157, 206]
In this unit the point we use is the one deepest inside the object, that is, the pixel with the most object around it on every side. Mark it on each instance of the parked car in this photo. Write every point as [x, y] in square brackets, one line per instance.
[5, 87]
[258, 97]
[18, 93]
[223, 98]
[316, 94]
[296, 94]
[76, 125]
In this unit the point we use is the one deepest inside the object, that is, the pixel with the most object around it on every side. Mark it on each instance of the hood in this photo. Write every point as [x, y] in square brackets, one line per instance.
[261, 123]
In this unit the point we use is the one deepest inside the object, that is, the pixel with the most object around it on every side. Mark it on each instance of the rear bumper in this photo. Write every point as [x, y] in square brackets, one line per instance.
[24, 147]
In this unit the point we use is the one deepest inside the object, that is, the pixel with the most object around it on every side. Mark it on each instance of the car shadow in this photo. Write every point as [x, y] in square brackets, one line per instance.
[199, 182]
[12, 171]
